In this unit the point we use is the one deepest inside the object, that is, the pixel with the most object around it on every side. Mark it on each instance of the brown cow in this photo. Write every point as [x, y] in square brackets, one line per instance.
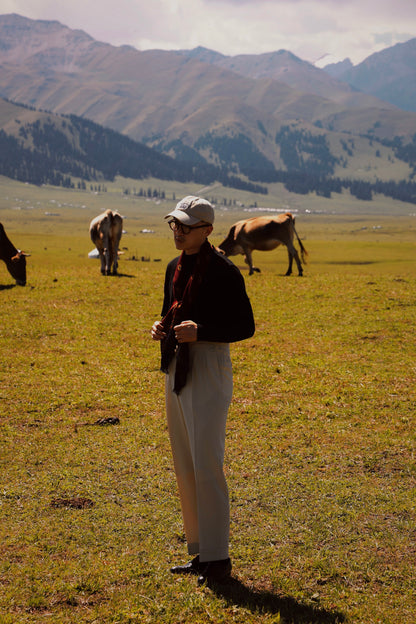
[14, 258]
[105, 232]
[264, 234]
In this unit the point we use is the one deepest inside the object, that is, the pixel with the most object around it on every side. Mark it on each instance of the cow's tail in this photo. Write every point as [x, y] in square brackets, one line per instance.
[303, 251]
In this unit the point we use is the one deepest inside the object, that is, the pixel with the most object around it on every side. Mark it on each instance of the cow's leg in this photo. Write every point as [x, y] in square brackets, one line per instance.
[107, 261]
[249, 260]
[110, 269]
[294, 254]
[115, 258]
[299, 264]
[289, 270]
[106, 244]
[102, 260]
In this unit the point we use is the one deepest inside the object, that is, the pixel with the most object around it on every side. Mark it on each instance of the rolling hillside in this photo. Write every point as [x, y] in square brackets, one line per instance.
[41, 147]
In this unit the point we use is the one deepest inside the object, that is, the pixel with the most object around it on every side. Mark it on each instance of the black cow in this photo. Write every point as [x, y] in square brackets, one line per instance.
[14, 258]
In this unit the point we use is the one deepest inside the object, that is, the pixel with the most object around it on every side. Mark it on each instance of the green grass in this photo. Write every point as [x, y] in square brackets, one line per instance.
[320, 448]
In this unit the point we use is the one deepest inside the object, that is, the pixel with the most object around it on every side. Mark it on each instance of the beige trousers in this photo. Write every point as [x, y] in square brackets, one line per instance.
[196, 422]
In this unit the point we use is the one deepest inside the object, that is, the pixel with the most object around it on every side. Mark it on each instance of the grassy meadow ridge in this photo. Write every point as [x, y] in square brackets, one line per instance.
[320, 455]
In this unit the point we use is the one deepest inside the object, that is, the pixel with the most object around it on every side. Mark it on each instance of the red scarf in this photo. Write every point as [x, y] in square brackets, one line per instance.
[184, 296]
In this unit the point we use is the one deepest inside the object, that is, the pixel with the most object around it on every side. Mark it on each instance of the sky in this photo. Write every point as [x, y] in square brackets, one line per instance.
[311, 29]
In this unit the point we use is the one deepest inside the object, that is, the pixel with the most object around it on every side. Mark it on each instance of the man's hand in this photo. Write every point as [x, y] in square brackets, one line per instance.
[157, 331]
[187, 331]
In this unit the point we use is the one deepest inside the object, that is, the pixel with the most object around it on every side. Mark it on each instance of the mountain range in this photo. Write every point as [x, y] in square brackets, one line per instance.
[248, 115]
[389, 75]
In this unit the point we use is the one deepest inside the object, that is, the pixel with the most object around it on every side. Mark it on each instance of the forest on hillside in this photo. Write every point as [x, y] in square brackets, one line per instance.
[45, 152]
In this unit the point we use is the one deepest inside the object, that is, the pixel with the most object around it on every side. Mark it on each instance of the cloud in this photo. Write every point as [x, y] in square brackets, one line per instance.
[308, 28]
[389, 38]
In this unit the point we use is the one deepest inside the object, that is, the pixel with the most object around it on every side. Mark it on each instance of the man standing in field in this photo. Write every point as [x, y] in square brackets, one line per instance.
[205, 308]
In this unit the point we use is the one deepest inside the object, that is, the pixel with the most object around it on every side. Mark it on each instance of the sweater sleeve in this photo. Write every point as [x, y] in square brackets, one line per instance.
[224, 312]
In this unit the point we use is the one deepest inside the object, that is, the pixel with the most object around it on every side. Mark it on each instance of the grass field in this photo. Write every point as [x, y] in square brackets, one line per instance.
[320, 452]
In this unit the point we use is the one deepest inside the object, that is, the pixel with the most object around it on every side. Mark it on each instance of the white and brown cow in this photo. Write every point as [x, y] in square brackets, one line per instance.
[14, 258]
[264, 234]
[105, 232]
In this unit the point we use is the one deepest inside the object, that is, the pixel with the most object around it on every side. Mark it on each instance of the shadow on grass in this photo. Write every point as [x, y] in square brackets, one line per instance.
[352, 262]
[7, 287]
[260, 601]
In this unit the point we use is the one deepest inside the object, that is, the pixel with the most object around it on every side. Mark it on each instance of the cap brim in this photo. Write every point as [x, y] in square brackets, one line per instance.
[184, 218]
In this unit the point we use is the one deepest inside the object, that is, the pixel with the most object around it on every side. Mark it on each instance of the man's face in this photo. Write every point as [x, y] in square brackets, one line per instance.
[191, 243]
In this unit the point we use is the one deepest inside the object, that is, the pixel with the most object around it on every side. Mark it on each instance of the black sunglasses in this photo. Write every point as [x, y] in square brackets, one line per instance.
[177, 225]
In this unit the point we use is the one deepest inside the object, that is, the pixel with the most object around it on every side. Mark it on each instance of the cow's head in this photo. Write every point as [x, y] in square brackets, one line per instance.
[17, 267]
[231, 246]
[228, 244]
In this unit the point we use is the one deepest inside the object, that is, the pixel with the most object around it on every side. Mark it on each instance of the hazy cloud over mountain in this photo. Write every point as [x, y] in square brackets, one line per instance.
[308, 28]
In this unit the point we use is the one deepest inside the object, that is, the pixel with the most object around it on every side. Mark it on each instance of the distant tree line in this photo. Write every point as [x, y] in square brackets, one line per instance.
[83, 149]
[48, 153]
[150, 193]
[304, 183]
[24, 164]
[310, 167]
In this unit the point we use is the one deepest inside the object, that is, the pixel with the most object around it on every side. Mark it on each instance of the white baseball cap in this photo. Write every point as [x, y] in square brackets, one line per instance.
[191, 209]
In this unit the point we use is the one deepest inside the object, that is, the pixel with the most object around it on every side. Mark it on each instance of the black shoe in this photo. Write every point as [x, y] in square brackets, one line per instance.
[193, 567]
[214, 571]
